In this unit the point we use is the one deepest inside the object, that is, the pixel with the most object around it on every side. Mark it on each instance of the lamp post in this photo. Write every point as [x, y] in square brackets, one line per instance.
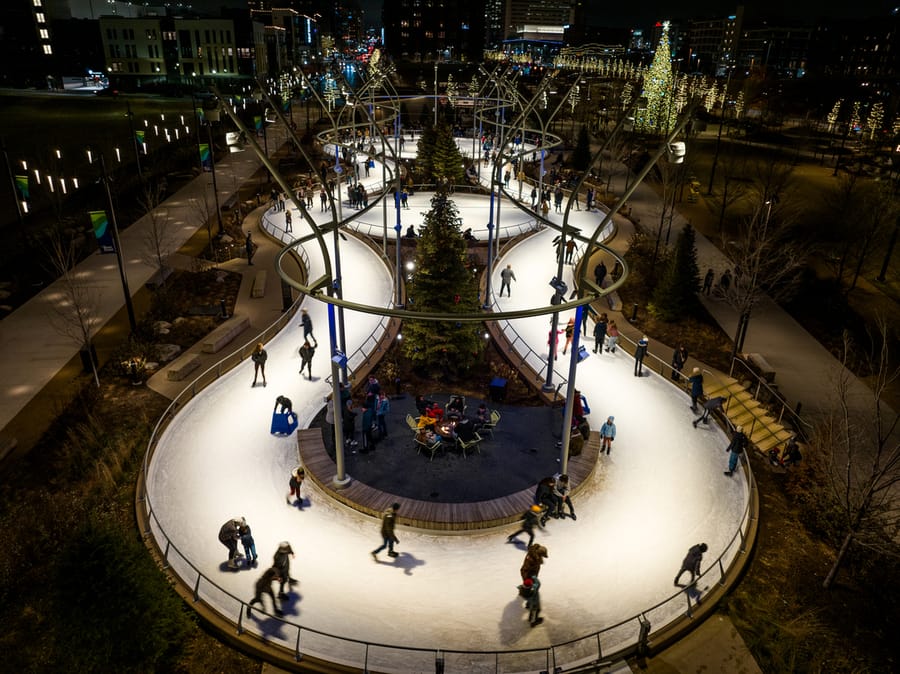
[118, 246]
[435, 91]
[213, 116]
[137, 155]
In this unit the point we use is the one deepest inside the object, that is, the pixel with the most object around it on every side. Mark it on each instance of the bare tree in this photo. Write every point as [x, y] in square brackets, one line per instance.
[766, 262]
[204, 210]
[159, 238]
[74, 308]
[860, 449]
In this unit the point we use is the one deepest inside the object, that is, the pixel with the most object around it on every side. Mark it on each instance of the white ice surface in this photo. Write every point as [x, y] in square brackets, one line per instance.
[660, 491]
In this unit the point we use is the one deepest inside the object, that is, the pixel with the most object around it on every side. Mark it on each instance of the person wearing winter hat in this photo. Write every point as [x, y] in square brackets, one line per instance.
[529, 589]
[639, 354]
[607, 435]
[229, 535]
[282, 562]
[530, 520]
[534, 558]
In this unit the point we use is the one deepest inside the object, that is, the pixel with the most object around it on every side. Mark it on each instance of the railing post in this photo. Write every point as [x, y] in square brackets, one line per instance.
[721, 573]
[166, 554]
[240, 623]
[197, 587]
[297, 655]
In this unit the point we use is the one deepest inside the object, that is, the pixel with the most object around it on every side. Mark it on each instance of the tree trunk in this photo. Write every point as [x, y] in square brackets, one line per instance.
[838, 561]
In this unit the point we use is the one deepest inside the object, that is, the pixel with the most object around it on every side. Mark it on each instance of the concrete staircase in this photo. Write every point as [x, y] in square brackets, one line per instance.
[742, 409]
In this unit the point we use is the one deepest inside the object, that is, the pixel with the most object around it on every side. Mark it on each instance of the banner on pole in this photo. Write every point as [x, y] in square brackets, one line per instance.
[285, 104]
[22, 186]
[200, 115]
[139, 136]
[102, 231]
[205, 158]
[258, 125]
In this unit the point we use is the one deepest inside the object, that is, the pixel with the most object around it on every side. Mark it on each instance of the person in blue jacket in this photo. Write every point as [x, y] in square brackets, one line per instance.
[607, 435]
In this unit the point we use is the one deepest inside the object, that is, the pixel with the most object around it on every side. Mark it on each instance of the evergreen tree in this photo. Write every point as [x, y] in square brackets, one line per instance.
[425, 153]
[447, 161]
[442, 283]
[581, 156]
[676, 294]
[660, 114]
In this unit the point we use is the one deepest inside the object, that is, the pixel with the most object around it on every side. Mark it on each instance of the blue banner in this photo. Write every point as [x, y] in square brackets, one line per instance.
[205, 158]
[102, 231]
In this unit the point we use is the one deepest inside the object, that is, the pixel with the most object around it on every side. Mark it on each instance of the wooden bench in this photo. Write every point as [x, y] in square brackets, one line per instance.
[222, 335]
[320, 468]
[182, 366]
[762, 367]
[258, 289]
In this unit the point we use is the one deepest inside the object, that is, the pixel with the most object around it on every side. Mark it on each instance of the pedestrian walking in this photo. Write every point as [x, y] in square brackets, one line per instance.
[249, 544]
[259, 357]
[306, 355]
[306, 322]
[708, 281]
[248, 246]
[294, 484]
[530, 520]
[529, 589]
[570, 250]
[679, 358]
[612, 337]
[607, 435]
[639, 353]
[570, 334]
[282, 563]
[735, 448]
[691, 562]
[229, 535]
[264, 586]
[506, 276]
[696, 382]
[600, 274]
[600, 332]
[388, 522]
[287, 221]
[534, 559]
[710, 405]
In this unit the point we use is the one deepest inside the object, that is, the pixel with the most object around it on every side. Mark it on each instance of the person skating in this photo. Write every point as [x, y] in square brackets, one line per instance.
[696, 381]
[612, 336]
[249, 544]
[229, 535]
[691, 563]
[639, 353]
[600, 332]
[530, 590]
[710, 405]
[570, 334]
[264, 586]
[296, 481]
[506, 276]
[306, 322]
[282, 563]
[307, 352]
[283, 402]
[534, 558]
[607, 435]
[259, 357]
[735, 448]
[530, 520]
[562, 489]
[388, 522]
[679, 358]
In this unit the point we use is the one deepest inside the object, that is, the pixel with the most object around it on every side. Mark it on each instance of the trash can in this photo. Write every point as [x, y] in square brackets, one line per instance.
[498, 389]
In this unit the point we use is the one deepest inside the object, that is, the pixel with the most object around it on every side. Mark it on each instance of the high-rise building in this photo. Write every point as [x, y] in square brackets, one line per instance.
[428, 30]
[713, 43]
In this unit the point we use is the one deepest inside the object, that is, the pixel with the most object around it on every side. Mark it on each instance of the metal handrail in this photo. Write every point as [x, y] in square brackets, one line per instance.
[799, 424]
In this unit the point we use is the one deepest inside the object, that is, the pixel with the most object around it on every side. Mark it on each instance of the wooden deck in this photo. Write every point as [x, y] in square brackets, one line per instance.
[427, 514]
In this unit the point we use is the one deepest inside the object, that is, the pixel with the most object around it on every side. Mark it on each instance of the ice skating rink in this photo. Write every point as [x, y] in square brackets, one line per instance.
[659, 492]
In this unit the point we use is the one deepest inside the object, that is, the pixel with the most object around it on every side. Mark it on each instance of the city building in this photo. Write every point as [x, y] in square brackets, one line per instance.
[429, 30]
[712, 43]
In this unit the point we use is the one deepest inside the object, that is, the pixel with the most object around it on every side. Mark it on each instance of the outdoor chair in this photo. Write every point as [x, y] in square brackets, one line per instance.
[474, 442]
[492, 424]
[411, 422]
[432, 448]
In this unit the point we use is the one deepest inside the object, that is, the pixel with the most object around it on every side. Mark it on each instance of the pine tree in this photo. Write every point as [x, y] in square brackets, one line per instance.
[676, 294]
[660, 114]
[446, 159]
[442, 283]
[425, 150]
[581, 156]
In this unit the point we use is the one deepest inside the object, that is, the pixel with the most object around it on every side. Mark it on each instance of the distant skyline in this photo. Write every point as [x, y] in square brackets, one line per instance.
[646, 13]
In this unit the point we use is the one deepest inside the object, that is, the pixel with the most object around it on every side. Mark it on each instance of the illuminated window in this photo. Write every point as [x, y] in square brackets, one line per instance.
[48, 49]
[40, 17]
[37, 3]
[45, 34]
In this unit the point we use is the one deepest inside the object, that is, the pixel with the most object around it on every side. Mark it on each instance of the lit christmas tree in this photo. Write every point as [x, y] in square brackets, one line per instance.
[834, 115]
[875, 119]
[660, 114]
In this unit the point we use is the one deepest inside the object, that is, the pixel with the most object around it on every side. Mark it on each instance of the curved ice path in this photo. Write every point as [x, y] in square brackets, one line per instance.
[660, 491]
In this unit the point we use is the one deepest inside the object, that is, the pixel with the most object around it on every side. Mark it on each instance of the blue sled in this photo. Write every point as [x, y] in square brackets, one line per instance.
[283, 423]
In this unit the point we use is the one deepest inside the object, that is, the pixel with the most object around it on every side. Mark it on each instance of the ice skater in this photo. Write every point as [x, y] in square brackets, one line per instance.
[306, 355]
[562, 491]
[296, 481]
[287, 222]
[691, 563]
[249, 544]
[264, 586]
[639, 353]
[530, 520]
[287, 407]
[282, 563]
[259, 357]
[696, 382]
[388, 522]
[710, 405]
[229, 535]
[612, 337]
[735, 448]
[534, 559]
[506, 276]
[306, 322]
[570, 334]
[600, 332]
[607, 435]
[530, 590]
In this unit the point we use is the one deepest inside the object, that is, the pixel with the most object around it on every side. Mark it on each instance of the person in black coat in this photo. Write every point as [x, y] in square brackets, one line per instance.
[710, 405]
[696, 381]
[600, 274]
[639, 353]
[530, 520]
[679, 358]
[229, 535]
[264, 586]
[600, 332]
[692, 561]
